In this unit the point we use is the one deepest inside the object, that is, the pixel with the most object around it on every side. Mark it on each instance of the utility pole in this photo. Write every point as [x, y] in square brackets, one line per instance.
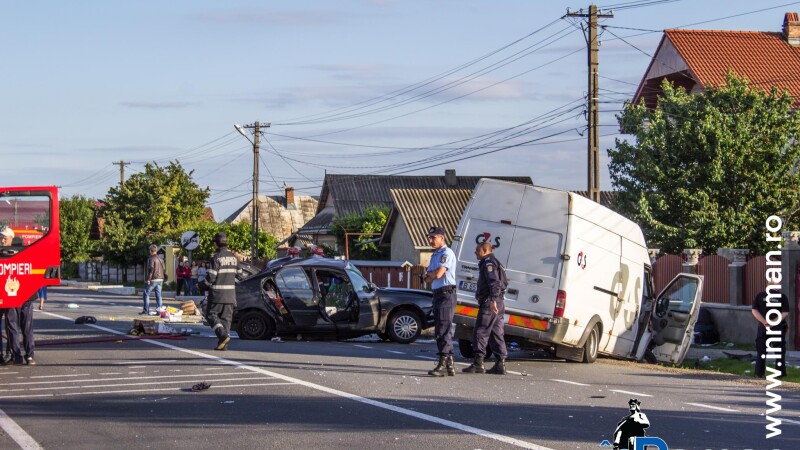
[121, 165]
[256, 127]
[590, 32]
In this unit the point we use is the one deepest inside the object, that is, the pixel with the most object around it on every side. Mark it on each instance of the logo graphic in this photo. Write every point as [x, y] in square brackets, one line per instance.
[630, 432]
[484, 237]
[12, 286]
[581, 260]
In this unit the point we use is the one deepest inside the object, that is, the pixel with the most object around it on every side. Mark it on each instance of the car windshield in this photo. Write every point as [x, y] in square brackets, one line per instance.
[358, 281]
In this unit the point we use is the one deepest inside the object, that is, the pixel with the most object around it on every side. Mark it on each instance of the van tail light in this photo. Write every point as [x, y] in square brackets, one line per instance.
[561, 303]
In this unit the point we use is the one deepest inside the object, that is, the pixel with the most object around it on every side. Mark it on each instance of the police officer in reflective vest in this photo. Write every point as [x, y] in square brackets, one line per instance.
[441, 274]
[489, 323]
[221, 281]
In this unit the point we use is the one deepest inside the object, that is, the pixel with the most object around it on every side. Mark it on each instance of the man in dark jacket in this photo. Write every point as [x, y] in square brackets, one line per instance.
[771, 312]
[489, 323]
[154, 278]
[221, 283]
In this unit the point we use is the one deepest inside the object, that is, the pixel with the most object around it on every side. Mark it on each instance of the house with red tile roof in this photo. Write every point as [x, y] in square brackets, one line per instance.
[694, 59]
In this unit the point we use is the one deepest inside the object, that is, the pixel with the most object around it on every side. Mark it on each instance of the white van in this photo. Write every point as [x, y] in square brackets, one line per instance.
[579, 277]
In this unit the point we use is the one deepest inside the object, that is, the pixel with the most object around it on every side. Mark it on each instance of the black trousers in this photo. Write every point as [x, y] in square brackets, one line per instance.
[219, 317]
[444, 307]
[761, 350]
[489, 330]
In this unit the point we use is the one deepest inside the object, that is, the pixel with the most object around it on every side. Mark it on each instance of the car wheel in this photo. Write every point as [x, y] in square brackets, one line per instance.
[591, 346]
[404, 327]
[255, 325]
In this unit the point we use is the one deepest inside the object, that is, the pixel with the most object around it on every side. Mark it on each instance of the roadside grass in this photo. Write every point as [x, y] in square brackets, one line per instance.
[729, 346]
[744, 368]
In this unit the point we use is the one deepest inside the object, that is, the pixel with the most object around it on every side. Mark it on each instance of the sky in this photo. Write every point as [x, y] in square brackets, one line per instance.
[405, 87]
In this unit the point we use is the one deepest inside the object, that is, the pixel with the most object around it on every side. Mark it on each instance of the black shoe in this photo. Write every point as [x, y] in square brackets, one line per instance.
[439, 370]
[499, 367]
[222, 343]
[16, 362]
[144, 313]
[476, 367]
[449, 365]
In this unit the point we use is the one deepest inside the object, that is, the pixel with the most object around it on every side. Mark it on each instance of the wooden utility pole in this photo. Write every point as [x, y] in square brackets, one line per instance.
[256, 127]
[121, 165]
[593, 97]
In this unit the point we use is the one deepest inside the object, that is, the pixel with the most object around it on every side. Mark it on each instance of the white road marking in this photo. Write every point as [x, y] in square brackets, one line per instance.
[134, 390]
[159, 377]
[214, 368]
[713, 407]
[60, 376]
[15, 432]
[336, 392]
[362, 346]
[110, 373]
[158, 361]
[570, 382]
[396, 352]
[94, 386]
[136, 367]
[426, 357]
[630, 393]
[789, 420]
[8, 373]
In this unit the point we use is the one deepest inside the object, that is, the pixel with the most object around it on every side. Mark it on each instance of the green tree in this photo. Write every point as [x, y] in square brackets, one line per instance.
[372, 221]
[154, 206]
[76, 215]
[707, 170]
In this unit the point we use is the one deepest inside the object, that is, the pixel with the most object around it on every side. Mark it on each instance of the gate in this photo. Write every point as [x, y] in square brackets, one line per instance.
[754, 280]
[664, 270]
[716, 282]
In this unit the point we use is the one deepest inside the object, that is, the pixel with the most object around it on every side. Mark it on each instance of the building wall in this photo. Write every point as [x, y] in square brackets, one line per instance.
[402, 248]
[669, 61]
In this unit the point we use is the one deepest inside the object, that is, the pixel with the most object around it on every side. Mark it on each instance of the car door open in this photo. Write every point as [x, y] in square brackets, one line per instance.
[675, 314]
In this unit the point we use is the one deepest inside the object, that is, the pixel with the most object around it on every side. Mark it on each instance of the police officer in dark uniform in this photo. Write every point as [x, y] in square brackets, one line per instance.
[221, 281]
[489, 323]
[760, 312]
[441, 274]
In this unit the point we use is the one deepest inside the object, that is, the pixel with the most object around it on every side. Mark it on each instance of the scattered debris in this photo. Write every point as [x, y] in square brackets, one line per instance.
[72, 306]
[277, 339]
[85, 319]
[200, 386]
[746, 356]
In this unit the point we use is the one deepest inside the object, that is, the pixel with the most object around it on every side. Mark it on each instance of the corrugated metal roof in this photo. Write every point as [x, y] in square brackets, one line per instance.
[352, 194]
[322, 222]
[765, 58]
[422, 209]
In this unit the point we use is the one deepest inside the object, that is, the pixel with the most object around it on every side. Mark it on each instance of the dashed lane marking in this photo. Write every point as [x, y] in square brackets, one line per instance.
[159, 377]
[570, 382]
[630, 393]
[396, 352]
[718, 408]
[362, 346]
[129, 391]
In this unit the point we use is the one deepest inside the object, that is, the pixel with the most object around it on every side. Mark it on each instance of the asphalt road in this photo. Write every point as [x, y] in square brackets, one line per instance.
[96, 387]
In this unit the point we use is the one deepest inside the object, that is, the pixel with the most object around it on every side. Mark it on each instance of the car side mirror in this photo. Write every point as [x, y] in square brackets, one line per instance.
[371, 287]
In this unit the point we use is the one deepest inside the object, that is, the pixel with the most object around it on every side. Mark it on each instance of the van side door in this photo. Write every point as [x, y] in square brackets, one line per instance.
[676, 311]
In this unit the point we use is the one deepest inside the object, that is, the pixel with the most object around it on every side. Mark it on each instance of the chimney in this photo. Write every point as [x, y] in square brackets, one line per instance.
[289, 195]
[791, 29]
[450, 179]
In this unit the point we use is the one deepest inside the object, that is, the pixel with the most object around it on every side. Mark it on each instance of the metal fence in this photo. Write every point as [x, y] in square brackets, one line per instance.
[717, 281]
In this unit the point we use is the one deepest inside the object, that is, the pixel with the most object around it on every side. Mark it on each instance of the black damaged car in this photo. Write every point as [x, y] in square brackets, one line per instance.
[326, 297]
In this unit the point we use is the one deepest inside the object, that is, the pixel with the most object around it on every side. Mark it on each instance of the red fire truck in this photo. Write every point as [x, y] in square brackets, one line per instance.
[33, 259]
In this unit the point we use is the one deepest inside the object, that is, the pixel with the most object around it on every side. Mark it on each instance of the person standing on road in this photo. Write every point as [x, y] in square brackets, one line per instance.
[154, 278]
[193, 279]
[180, 278]
[11, 315]
[201, 277]
[42, 297]
[441, 275]
[221, 284]
[760, 312]
[492, 284]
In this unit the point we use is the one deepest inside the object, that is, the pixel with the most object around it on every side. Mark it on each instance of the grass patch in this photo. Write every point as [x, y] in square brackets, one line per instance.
[725, 346]
[740, 367]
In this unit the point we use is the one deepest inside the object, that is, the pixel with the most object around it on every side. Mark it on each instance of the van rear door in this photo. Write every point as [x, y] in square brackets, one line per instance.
[675, 314]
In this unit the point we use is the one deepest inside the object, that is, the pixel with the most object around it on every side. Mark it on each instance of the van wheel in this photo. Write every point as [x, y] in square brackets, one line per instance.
[465, 348]
[591, 346]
